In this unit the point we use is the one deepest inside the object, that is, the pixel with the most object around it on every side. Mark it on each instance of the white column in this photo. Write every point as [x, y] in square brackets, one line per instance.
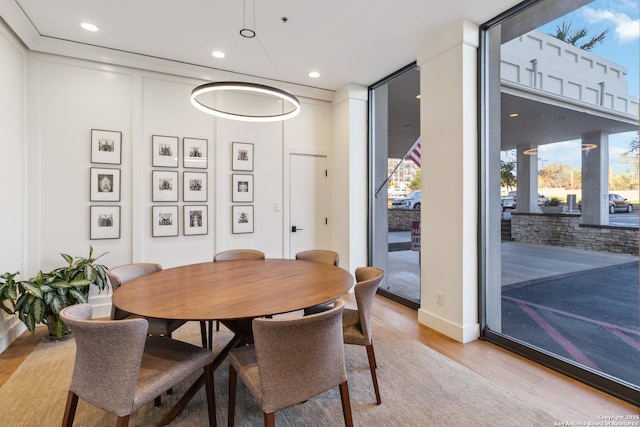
[448, 125]
[348, 178]
[527, 178]
[595, 178]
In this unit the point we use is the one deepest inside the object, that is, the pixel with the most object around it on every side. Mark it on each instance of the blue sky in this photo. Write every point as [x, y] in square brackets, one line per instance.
[622, 46]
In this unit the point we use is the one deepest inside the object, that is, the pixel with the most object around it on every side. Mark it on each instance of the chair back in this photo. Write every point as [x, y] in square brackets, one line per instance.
[320, 255]
[299, 358]
[367, 282]
[123, 274]
[234, 254]
[108, 356]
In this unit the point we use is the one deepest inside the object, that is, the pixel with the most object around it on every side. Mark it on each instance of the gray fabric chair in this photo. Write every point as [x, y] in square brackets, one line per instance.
[326, 257]
[320, 255]
[357, 323]
[125, 273]
[118, 368]
[230, 255]
[234, 254]
[291, 361]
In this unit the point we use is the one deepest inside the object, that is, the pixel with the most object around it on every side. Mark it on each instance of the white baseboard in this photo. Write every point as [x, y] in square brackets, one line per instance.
[459, 333]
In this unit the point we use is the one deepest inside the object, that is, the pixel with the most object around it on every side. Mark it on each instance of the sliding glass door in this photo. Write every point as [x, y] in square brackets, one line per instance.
[395, 165]
[559, 160]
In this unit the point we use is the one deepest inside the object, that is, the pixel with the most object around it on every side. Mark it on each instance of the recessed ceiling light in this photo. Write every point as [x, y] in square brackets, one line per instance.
[514, 115]
[89, 27]
[314, 74]
[418, 96]
[218, 54]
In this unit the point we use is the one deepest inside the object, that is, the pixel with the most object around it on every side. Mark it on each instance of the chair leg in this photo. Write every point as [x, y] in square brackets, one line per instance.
[372, 367]
[123, 421]
[211, 396]
[210, 334]
[70, 409]
[203, 333]
[346, 404]
[233, 383]
[269, 419]
[217, 326]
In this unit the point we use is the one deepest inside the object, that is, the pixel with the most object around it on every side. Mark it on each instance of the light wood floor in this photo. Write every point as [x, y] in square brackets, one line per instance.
[561, 397]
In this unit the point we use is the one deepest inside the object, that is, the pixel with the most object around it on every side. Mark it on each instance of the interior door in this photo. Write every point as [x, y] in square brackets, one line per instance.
[308, 207]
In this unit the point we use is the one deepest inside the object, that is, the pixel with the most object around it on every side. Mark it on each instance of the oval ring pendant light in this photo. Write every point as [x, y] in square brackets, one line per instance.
[246, 87]
[289, 99]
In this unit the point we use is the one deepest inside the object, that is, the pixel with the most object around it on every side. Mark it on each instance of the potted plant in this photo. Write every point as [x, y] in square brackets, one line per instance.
[554, 206]
[40, 299]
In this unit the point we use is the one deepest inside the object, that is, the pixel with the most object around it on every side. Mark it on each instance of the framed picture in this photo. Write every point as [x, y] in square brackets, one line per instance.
[164, 221]
[105, 185]
[194, 151]
[165, 186]
[242, 156]
[105, 222]
[195, 186]
[195, 220]
[106, 146]
[242, 217]
[165, 151]
[242, 188]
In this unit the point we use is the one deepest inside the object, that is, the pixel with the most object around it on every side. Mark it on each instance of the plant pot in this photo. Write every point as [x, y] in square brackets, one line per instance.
[551, 209]
[51, 336]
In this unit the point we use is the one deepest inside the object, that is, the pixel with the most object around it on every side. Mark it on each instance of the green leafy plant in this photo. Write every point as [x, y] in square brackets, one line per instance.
[39, 299]
[554, 201]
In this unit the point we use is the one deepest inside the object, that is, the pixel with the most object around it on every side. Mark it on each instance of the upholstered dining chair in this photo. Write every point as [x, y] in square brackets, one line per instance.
[119, 368]
[326, 257]
[356, 324]
[229, 255]
[291, 361]
[123, 274]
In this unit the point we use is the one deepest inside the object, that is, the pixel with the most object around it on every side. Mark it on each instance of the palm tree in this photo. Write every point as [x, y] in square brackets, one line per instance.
[564, 33]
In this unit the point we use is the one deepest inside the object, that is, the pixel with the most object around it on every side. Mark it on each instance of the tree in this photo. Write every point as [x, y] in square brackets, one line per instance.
[508, 173]
[559, 175]
[564, 33]
[416, 182]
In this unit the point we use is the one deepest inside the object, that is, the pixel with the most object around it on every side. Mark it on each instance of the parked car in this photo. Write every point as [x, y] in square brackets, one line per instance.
[617, 203]
[412, 201]
[509, 201]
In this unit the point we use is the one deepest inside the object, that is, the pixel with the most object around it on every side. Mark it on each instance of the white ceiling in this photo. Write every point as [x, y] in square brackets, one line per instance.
[346, 41]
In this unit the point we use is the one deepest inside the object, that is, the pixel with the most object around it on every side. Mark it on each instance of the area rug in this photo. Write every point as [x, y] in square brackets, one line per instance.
[419, 387]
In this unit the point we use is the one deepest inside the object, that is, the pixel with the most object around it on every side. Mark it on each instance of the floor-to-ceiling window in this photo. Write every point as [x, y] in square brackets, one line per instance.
[559, 161]
[395, 183]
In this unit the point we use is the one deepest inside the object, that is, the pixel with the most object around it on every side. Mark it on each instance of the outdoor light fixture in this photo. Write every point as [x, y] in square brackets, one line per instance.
[530, 152]
[292, 103]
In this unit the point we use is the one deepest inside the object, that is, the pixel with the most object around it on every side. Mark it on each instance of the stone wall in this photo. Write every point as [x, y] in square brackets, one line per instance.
[567, 230]
[401, 219]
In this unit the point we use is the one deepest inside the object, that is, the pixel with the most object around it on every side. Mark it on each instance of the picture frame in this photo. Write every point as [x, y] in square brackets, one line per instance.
[106, 146]
[242, 156]
[104, 184]
[164, 186]
[241, 188]
[164, 221]
[195, 218]
[104, 222]
[194, 186]
[165, 151]
[194, 151]
[242, 219]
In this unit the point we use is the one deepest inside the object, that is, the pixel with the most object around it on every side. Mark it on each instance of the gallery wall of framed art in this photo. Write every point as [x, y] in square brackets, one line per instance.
[104, 184]
[168, 181]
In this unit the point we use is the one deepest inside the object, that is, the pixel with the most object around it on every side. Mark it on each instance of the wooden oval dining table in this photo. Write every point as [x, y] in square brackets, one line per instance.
[233, 292]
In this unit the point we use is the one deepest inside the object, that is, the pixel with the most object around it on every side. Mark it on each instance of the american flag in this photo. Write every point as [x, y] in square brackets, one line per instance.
[414, 153]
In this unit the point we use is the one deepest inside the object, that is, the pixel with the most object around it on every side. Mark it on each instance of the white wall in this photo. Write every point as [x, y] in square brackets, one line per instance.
[50, 104]
[13, 156]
